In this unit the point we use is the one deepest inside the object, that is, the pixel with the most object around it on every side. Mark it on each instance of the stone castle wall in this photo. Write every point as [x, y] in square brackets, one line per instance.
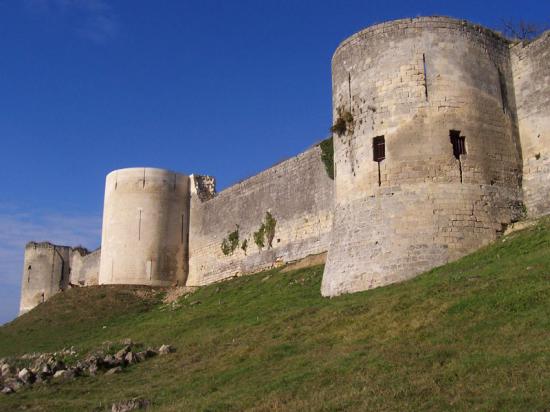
[297, 192]
[49, 269]
[531, 68]
[464, 116]
[85, 267]
[413, 82]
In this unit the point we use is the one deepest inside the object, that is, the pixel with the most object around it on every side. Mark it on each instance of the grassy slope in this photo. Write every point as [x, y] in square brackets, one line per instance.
[472, 335]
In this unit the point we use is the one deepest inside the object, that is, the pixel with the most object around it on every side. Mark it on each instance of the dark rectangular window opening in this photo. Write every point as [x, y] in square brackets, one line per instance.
[458, 142]
[378, 149]
[378, 153]
[425, 76]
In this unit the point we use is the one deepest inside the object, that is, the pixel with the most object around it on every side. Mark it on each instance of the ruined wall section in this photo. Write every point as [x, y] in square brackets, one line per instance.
[299, 195]
[145, 228]
[413, 81]
[49, 269]
[531, 68]
[85, 267]
[46, 270]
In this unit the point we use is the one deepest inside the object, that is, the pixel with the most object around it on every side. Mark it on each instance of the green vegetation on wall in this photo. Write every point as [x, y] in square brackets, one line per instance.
[327, 156]
[230, 243]
[259, 237]
[266, 232]
[344, 122]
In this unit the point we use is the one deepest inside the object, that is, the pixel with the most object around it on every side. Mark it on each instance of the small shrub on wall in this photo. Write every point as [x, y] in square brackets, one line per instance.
[230, 243]
[266, 232]
[344, 122]
[259, 237]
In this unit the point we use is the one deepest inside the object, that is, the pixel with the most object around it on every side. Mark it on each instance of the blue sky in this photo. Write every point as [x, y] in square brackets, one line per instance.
[225, 88]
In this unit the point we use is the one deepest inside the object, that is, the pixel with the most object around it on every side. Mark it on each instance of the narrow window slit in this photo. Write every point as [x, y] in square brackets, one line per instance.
[378, 153]
[459, 148]
[425, 76]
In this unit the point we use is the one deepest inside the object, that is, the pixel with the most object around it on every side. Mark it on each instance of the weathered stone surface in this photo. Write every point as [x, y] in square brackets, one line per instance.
[166, 349]
[145, 226]
[414, 81]
[6, 370]
[26, 376]
[297, 192]
[121, 354]
[64, 374]
[531, 69]
[13, 383]
[114, 370]
[130, 405]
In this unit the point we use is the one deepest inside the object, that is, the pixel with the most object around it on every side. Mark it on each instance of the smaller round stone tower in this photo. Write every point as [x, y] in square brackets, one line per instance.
[45, 272]
[145, 228]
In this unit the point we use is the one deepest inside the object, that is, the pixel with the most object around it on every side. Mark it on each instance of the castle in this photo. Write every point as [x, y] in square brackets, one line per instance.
[441, 139]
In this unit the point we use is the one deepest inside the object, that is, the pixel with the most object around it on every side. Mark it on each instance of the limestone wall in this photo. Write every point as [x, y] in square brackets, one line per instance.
[84, 267]
[297, 192]
[531, 68]
[413, 81]
[45, 273]
[145, 227]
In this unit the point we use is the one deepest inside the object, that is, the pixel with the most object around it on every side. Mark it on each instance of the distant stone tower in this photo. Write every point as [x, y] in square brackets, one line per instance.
[429, 165]
[145, 228]
[45, 273]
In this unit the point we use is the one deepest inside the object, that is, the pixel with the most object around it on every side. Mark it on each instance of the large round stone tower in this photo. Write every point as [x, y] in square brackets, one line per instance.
[145, 228]
[426, 149]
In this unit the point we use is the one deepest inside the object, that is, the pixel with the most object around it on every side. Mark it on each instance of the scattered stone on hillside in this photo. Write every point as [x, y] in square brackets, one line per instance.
[13, 384]
[39, 368]
[195, 302]
[64, 374]
[140, 356]
[41, 378]
[131, 358]
[166, 349]
[26, 376]
[121, 354]
[56, 365]
[130, 405]
[7, 370]
[114, 370]
[7, 390]
[127, 342]
[109, 361]
[92, 369]
[174, 294]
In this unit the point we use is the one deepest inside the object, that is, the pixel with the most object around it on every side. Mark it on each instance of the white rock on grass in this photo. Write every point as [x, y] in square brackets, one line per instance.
[165, 349]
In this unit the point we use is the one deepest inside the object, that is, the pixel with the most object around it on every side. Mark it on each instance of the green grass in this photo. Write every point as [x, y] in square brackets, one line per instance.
[472, 335]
